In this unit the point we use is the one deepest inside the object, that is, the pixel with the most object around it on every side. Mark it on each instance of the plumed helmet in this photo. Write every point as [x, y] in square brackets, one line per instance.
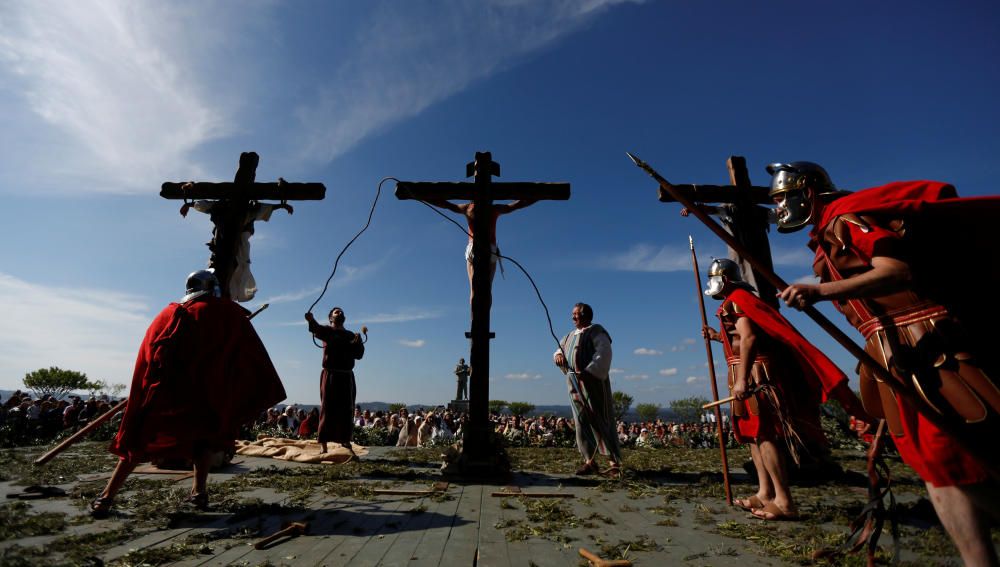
[200, 283]
[721, 272]
[789, 182]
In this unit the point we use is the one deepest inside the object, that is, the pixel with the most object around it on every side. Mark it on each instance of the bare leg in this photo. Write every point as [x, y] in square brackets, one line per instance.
[774, 463]
[965, 523]
[201, 466]
[322, 446]
[118, 478]
[765, 490]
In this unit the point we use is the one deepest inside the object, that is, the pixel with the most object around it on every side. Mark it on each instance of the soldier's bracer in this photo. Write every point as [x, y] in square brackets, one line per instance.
[925, 345]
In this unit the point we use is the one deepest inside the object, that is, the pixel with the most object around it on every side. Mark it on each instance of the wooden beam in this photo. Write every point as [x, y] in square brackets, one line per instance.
[719, 194]
[497, 191]
[277, 191]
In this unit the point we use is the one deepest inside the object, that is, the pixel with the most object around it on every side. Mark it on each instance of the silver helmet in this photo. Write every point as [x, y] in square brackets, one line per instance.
[722, 272]
[200, 283]
[789, 182]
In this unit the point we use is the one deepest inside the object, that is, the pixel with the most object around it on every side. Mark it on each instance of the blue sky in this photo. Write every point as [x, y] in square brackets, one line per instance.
[101, 102]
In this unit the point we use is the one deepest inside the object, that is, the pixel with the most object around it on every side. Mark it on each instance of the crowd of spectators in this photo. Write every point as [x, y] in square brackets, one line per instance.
[24, 418]
[440, 426]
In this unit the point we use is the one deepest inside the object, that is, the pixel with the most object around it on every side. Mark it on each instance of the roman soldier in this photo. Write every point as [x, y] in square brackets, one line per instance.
[889, 258]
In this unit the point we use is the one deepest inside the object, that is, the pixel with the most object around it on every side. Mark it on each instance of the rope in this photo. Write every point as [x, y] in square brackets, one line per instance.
[336, 262]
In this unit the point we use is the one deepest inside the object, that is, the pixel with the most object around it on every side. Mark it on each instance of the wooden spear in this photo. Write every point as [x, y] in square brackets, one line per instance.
[981, 451]
[94, 424]
[711, 374]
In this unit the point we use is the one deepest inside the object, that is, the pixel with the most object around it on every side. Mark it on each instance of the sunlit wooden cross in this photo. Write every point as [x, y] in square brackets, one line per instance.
[478, 444]
[234, 207]
[741, 214]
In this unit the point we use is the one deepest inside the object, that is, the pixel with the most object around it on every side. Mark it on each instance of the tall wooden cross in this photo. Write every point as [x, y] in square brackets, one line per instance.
[478, 442]
[742, 215]
[231, 207]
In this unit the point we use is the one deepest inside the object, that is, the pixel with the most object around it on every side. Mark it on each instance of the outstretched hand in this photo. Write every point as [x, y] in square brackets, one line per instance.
[800, 296]
[309, 317]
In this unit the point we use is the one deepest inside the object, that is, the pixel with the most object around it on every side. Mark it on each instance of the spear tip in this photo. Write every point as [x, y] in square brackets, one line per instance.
[634, 159]
[691, 242]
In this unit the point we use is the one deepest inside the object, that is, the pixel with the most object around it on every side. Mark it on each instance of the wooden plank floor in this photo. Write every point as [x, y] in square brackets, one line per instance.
[466, 526]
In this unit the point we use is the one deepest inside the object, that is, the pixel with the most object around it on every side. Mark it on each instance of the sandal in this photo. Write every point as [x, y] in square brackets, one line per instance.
[587, 469]
[752, 503]
[772, 513]
[100, 507]
[614, 471]
[199, 501]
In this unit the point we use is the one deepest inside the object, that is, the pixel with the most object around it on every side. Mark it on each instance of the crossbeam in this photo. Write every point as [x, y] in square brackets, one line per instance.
[753, 194]
[276, 191]
[497, 191]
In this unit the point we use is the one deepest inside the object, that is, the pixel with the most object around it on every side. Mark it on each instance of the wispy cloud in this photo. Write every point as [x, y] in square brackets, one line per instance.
[808, 279]
[117, 96]
[695, 379]
[111, 84]
[98, 332]
[668, 372]
[409, 57]
[689, 341]
[616, 371]
[403, 315]
[648, 258]
[523, 376]
[418, 343]
[792, 256]
[643, 351]
[637, 377]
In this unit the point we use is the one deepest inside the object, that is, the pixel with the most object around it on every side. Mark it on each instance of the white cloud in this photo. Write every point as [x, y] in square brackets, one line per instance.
[523, 376]
[93, 331]
[403, 315]
[418, 343]
[648, 258]
[695, 379]
[643, 351]
[689, 341]
[408, 58]
[668, 372]
[808, 279]
[635, 377]
[111, 82]
[616, 371]
[792, 256]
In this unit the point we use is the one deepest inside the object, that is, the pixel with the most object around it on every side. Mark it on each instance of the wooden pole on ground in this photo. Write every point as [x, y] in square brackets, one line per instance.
[72, 439]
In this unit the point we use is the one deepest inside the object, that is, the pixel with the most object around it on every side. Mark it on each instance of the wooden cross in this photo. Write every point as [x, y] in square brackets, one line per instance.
[742, 216]
[478, 446]
[232, 204]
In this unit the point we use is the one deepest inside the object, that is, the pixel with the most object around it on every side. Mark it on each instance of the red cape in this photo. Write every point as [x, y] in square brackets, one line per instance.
[953, 240]
[819, 372]
[201, 373]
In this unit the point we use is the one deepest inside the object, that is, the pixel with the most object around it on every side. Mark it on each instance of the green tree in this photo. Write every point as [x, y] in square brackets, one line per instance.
[56, 382]
[621, 402]
[520, 408]
[648, 412]
[688, 409]
[496, 406]
[394, 408]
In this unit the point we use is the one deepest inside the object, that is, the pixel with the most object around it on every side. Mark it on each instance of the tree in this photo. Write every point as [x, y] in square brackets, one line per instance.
[520, 408]
[648, 412]
[688, 409]
[394, 408]
[622, 402]
[496, 406]
[56, 382]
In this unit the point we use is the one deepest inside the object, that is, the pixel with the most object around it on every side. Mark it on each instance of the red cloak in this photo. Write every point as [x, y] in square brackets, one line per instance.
[820, 374]
[201, 373]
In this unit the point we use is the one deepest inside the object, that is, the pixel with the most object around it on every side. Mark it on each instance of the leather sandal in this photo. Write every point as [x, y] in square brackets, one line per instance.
[199, 500]
[772, 513]
[587, 469]
[752, 503]
[100, 507]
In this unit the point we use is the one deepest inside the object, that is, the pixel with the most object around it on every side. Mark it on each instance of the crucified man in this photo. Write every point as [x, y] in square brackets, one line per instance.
[468, 211]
